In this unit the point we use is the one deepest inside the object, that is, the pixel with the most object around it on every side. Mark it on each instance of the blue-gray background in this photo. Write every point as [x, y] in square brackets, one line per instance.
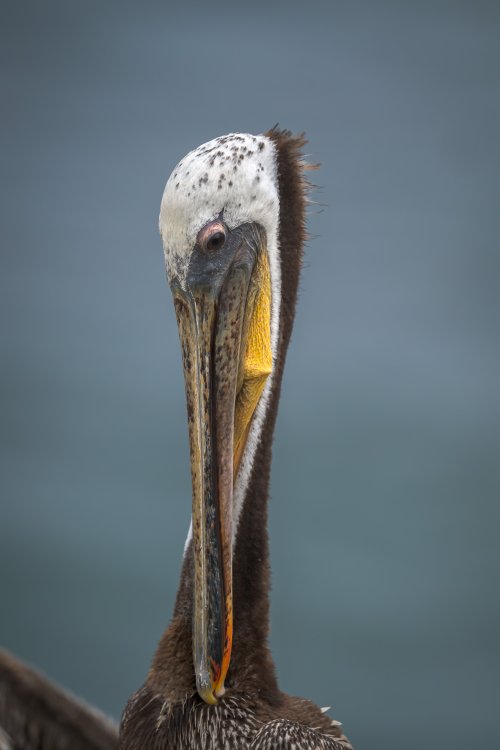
[384, 514]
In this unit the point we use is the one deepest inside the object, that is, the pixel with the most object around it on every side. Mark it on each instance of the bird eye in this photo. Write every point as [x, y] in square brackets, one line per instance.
[212, 236]
[215, 241]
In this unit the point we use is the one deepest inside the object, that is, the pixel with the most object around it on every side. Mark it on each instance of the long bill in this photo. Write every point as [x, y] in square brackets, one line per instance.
[215, 312]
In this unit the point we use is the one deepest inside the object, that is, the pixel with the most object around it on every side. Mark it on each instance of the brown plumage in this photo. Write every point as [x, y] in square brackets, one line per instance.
[167, 712]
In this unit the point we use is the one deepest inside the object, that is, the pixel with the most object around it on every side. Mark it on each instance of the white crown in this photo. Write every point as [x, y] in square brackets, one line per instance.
[235, 174]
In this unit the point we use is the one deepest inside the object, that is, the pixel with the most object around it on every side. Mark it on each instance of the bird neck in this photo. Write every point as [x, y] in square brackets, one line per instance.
[251, 658]
[251, 668]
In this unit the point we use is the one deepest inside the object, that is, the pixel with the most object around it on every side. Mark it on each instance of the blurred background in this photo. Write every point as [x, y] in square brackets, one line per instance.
[386, 479]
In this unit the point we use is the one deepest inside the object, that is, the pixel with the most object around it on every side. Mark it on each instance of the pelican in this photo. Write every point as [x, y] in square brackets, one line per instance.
[232, 222]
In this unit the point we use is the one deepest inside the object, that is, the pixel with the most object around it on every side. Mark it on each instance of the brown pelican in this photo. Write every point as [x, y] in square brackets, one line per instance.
[232, 221]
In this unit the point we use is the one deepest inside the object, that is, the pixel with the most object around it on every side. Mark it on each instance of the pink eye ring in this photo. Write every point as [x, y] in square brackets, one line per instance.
[212, 237]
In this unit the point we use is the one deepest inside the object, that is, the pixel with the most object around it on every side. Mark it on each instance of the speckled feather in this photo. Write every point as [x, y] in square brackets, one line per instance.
[239, 722]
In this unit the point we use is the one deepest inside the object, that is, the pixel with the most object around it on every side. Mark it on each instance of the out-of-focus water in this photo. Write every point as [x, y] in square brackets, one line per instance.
[385, 491]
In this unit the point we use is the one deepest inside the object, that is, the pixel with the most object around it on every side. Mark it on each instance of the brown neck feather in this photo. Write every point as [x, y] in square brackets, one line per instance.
[251, 663]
